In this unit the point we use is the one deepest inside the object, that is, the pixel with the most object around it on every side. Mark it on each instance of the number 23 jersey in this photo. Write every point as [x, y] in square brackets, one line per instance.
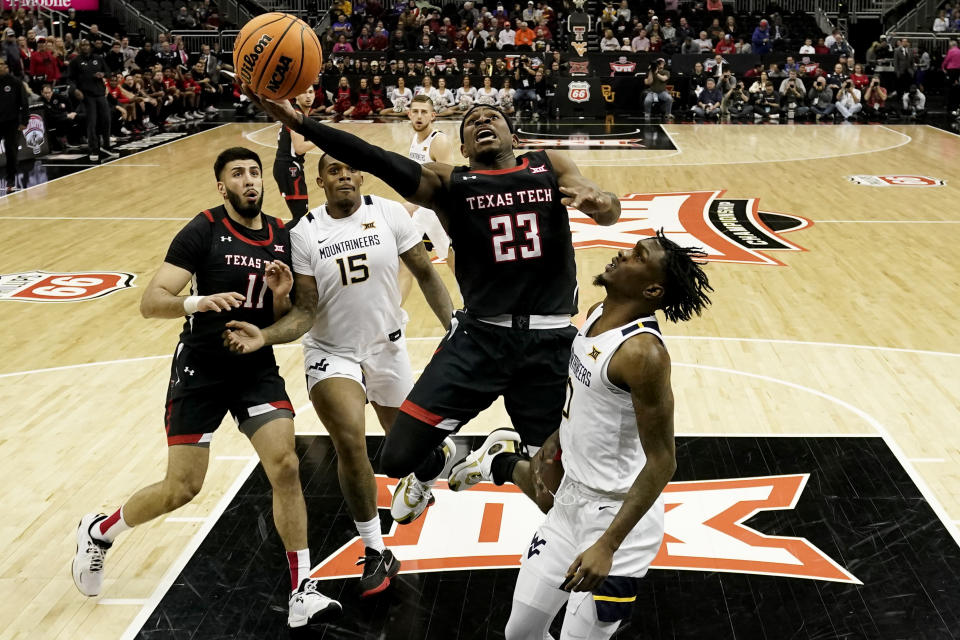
[355, 261]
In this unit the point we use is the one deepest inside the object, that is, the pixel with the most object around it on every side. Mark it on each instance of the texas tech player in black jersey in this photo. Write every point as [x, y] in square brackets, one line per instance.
[238, 261]
[518, 278]
[288, 166]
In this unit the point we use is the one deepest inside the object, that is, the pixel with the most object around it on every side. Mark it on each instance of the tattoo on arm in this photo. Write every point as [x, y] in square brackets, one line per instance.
[300, 318]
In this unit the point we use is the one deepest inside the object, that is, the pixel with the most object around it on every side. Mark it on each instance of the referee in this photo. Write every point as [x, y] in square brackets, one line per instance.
[13, 119]
[86, 72]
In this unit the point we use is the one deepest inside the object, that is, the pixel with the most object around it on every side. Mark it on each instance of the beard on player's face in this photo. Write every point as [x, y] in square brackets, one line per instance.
[244, 206]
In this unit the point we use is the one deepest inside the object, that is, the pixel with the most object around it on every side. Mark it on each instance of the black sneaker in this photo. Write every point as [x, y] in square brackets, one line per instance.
[378, 568]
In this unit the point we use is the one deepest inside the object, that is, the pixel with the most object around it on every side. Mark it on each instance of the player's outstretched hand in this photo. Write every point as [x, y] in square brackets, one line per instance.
[587, 199]
[278, 110]
[242, 337]
[590, 568]
[220, 302]
[279, 278]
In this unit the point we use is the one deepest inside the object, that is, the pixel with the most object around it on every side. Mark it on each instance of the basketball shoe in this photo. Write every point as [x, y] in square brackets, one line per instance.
[309, 606]
[412, 496]
[88, 561]
[477, 465]
[378, 568]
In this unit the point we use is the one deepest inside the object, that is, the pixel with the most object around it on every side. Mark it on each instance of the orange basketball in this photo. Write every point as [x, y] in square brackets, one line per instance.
[278, 55]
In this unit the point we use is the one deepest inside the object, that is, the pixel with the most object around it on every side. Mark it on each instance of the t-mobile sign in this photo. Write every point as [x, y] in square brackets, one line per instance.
[61, 5]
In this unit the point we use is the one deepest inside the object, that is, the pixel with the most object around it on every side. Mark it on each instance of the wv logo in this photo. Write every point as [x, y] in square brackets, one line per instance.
[535, 545]
[319, 366]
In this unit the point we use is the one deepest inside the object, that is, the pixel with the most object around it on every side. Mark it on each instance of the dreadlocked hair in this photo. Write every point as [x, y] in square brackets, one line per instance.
[685, 283]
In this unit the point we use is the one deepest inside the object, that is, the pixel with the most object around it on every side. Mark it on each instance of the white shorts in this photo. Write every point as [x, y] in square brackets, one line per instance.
[385, 376]
[426, 223]
[577, 520]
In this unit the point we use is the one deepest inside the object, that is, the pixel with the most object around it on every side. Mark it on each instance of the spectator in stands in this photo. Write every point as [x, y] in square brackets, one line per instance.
[684, 30]
[766, 103]
[726, 46]
[640, 42]
[874, 100]
[524, 37]
[609, 42]
[696, 82]
[41, 29]
[715, 66]
[758, 84]
[743, 46]
[848, 100]
[775, 72]
[779, 32]
[114, 57]
[807, 48]
[467, 95]
[689, 47]
[793, 98]
[11, 52]
[183, 20]
[704, 42]
[955, 20]
[507, 38]
[715, 30]
[708, 102]
[941, 23]
[761, 39]
[914, 103]
[45, 66]
[859, 78]
[342, 46]
[168, 57]
[146, 57]
[809, 68]
[840, 46]
[656, 84]
[951, 67]
[506, 97]
[668, 31]
[821, 48]
[836, 79]
[736, 102]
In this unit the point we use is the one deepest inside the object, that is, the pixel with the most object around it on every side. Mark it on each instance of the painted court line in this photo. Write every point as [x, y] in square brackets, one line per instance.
[889, 221]
[168, 578]
[186, 519]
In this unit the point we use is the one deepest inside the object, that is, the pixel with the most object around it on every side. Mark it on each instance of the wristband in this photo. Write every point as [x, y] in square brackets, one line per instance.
[190, 304]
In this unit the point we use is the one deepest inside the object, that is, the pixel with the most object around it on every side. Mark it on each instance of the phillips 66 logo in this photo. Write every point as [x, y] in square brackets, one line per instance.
[42, 286]
[578, 91]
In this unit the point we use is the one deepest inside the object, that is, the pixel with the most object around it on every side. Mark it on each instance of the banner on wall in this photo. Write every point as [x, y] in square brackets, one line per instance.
[59, 5]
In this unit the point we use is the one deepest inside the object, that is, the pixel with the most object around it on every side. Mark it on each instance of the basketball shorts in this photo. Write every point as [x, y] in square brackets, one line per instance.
[386, 376]
[293, 187]
[478, 362]
[577, 520]
[202, 390]
[427, 223]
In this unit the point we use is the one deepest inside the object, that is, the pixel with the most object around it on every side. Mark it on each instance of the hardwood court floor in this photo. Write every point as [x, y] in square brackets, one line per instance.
[858, 334]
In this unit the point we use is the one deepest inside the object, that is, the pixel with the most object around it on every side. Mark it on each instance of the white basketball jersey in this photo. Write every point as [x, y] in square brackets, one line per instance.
[420, 151]
[355, 262]
[598, 432]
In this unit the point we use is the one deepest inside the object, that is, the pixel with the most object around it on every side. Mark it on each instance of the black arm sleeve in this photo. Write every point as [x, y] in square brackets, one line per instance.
[402, 174]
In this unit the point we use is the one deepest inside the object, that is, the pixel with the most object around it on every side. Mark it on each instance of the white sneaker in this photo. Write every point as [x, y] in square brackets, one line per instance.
[93, 157]
[211, 109]
[125, 131]
[412, 497]
[198, 114]
[309, 606]
[477, 465]
[88, 561]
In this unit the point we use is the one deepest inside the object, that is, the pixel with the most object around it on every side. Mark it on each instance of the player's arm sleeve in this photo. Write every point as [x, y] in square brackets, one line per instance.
[300, 250]
[402, 225]
[189, 247]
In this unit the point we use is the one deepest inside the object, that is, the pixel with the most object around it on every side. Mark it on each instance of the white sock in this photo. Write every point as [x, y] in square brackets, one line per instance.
[299, 563]
[370, 534]
[108, 530]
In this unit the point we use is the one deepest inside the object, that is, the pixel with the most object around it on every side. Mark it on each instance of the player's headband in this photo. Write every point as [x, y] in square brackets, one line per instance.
[510, 124]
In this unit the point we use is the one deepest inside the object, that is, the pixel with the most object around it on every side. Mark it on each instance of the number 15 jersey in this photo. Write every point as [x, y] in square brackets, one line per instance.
[355, 262]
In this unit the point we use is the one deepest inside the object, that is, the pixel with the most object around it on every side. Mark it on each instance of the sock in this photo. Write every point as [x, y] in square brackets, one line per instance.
[370, 534]
[501, 468]
[108, 530]
[299, 562]
[431, 466]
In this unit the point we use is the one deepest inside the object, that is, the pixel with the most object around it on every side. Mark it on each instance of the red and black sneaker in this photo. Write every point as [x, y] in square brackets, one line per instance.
[378, 568]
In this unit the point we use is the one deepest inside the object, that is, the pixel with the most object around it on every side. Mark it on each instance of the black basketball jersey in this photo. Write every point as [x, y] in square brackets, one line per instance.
[224, 256]
[285, 152]
[512, 238]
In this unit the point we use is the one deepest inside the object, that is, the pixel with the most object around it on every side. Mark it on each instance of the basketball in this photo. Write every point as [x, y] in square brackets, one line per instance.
[277, 55]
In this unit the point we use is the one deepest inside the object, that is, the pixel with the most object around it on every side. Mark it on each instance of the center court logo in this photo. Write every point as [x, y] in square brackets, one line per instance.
[728, 229]
[703, 521]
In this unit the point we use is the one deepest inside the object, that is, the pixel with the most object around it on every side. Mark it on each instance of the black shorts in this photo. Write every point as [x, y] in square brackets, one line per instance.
[477, 362]
[202, 390]
[293, 187]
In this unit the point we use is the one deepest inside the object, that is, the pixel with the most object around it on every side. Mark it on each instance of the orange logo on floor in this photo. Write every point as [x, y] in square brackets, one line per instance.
[42, 286]
[728, 229]
[489, 527]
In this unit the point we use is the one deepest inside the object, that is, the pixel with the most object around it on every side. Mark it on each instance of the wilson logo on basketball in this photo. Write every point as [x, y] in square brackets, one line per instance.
[250, 59]
[41, 286]
[897, 181]
[703, 520]
[279, 73]
[728, 229]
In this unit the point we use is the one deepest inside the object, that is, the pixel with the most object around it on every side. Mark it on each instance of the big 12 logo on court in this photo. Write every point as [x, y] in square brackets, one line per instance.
[43, 286]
